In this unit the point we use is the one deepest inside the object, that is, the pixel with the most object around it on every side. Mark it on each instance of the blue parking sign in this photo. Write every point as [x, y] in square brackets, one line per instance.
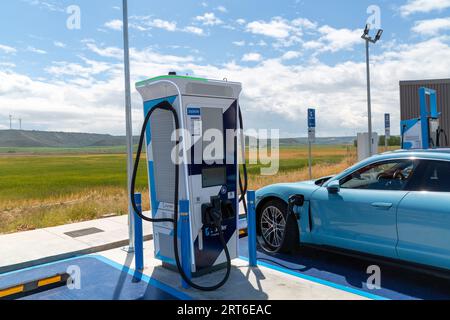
[387, 121]
[311, 118]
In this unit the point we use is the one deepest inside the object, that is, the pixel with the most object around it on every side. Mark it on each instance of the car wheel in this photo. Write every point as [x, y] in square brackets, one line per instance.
[277, 231]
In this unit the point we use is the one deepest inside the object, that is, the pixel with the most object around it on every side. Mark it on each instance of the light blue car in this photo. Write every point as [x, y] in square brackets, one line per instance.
[394, 205]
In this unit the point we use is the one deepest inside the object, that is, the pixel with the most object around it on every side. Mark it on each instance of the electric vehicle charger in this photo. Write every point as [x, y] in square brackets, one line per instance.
[424, 132]
[218, 210]
[215, 218]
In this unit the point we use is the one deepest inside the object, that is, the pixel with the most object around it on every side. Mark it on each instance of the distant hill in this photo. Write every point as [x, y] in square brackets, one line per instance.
[320, 141]
[36, 139]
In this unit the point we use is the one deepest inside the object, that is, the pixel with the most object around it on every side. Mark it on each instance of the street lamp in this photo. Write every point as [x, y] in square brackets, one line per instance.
[368, 40]
[128, 117]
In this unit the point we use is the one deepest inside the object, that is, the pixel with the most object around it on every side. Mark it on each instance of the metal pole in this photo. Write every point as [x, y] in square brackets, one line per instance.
[385, 142]
[310, 160]
[369, 103]
[129, 127]
[10, 122]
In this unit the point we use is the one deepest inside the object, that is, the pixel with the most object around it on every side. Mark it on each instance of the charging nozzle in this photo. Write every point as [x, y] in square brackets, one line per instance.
[297, 200]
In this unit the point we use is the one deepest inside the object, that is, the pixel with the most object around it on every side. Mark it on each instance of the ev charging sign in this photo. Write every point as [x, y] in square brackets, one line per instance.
[311, 125]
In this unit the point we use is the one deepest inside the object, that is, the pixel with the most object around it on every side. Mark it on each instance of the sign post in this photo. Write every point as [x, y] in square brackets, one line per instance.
[387, 129]
[129, 129]
[311, 136]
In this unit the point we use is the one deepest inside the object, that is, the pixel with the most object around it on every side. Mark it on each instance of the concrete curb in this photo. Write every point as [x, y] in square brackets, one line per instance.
[68, 255]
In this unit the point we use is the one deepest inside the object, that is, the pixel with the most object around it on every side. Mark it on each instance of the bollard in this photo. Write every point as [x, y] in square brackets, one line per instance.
[185, 239]
[138, 235]
[251, 227]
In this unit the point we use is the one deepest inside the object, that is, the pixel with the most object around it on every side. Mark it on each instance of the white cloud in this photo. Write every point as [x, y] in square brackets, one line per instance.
[222, 9]
[239, 43]
[59, 44]
[276, 28]
[334, 40]
[275, 94]
[7, 49]
[431, 27]
[35, 50]
[304, 23]
[114, 25]
[423, 6]
[88, 70]
[163, 24]
[50, 5]
[143, 24]
[252, 57]
[194, 30]
[289, 55]
[280, 28]
[147, 23]
[241, 21]
[7, 65]
[209, 19]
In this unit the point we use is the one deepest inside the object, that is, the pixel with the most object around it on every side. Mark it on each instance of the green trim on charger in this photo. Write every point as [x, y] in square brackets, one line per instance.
[143, 83]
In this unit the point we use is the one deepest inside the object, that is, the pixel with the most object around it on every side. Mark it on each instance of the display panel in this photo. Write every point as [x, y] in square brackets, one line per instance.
[212, 177]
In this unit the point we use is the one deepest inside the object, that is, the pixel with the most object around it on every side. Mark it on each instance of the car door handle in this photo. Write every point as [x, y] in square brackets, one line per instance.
[382, 205]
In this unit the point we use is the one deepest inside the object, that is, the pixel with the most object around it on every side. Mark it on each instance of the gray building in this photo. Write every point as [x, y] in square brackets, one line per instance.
[410, 103]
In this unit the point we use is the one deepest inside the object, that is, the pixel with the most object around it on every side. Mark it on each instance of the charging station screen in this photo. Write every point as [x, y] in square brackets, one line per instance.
[213, 177]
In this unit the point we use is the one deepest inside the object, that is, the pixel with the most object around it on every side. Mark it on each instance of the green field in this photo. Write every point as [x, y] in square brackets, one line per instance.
[86, 150]
[43, 187]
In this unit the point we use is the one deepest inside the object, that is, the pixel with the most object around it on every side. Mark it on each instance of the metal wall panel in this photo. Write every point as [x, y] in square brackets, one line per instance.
[410, 103]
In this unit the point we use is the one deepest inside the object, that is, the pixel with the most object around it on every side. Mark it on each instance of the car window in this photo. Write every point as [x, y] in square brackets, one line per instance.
[386, 175]
[432, 176]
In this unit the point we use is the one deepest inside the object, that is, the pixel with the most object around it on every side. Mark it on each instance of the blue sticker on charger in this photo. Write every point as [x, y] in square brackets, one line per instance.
[193, 112]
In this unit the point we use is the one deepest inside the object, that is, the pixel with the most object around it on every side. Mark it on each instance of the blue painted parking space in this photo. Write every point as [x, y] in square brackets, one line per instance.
[350, 274]
[100, 279]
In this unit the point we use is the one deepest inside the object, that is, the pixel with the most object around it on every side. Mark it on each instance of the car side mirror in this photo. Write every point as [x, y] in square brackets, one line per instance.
[334, 187]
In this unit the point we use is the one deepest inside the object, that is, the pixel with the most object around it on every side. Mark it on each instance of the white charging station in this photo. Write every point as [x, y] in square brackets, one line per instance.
[208, 178]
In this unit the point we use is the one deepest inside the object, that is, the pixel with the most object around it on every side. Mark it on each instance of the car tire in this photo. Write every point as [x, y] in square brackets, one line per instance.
[270, 237]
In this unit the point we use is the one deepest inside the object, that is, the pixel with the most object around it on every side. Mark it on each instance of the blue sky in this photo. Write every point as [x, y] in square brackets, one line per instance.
[290, 55]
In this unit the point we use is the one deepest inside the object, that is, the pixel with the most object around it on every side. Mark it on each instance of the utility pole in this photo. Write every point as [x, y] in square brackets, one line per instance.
[129, 128]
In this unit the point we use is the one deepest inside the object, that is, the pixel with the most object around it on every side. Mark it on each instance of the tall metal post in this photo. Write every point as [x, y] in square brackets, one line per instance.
[310, 160]
[369, 102]
[10, 122]
[385, 143]
[129, 127]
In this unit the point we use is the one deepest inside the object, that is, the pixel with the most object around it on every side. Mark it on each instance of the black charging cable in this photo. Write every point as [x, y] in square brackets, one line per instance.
[243, 185]
[217, 222]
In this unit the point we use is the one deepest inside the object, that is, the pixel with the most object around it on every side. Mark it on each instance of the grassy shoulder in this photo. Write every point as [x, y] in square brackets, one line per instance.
[43, 188]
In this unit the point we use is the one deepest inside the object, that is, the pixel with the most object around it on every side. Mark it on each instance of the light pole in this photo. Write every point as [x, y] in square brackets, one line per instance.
[368, 40]
[129, 128]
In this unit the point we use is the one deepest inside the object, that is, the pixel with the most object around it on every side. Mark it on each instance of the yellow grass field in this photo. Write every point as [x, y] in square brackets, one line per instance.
[42, 190]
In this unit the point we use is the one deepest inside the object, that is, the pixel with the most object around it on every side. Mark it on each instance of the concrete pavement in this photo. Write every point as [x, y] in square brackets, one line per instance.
[30, 248]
